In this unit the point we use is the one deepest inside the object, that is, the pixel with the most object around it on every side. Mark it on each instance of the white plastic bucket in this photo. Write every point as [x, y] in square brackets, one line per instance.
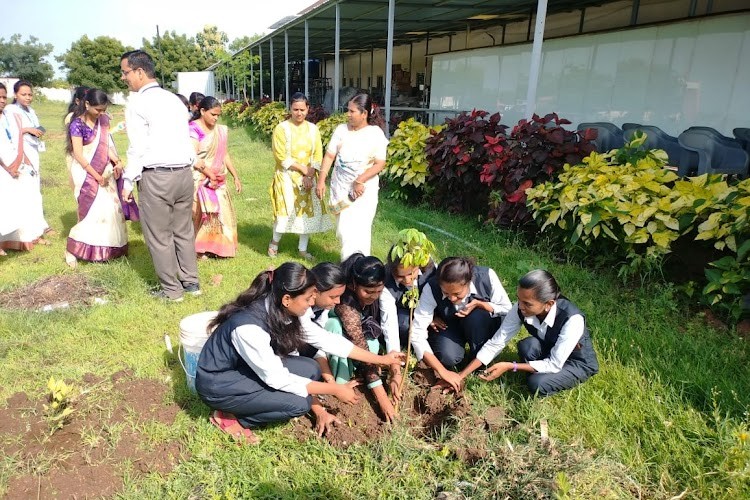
[193, 335]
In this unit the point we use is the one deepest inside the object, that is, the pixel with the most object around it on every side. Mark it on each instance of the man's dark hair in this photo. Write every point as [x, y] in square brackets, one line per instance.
[138, 59]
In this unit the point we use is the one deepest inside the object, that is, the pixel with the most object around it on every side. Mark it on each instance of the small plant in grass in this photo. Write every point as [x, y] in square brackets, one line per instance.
[413, 248]
[58, 410]
[456, 155]
[328, 125]
[407, 166]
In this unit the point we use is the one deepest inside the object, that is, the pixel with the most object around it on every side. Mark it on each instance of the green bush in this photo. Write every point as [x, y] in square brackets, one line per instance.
[727, 224]
[328, 125]
[406, 165]
[266, 118]
[231, 110]
[629, 211]
[624, 207]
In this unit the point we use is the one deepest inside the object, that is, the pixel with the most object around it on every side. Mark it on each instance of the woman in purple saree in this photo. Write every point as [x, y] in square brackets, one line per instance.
[100, 234]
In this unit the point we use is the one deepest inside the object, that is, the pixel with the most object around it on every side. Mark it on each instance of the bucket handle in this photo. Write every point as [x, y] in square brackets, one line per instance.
[179, 357]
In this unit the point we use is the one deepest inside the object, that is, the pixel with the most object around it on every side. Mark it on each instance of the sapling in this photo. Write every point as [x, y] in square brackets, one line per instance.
[58, 410]
[413, 248]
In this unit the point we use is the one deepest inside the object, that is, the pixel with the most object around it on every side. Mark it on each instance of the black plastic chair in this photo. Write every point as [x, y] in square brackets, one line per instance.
[656, 138]
[727, 141]
[743, 136]
[609, 135]
[714, 156]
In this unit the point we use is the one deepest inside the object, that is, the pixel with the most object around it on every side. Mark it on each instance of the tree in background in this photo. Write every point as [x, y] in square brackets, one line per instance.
[178, 53]
[94, 63]
[242, 42]
[212, 43]
[26, 60]
[236, 67]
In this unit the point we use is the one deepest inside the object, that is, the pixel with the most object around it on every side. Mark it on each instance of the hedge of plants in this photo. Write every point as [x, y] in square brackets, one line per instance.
[263, 115]
[620, 209]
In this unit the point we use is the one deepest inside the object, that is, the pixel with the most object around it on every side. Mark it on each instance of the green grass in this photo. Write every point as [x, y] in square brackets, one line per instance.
[666, 415]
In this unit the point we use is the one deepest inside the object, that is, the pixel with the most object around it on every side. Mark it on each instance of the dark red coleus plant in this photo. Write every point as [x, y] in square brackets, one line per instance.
[534, 152]
[456, 156]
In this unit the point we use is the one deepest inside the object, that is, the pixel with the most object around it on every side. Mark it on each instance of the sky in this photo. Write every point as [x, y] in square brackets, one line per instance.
[62, 22]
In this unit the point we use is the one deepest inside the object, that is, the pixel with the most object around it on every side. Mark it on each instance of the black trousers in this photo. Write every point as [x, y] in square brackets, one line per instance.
[449, 345]
[572, 373]
[262, 405]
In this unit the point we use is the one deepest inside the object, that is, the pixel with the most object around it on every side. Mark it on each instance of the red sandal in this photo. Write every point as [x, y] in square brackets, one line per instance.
[229, 424]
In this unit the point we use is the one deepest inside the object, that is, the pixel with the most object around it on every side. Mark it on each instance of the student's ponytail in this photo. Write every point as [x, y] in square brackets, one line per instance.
[260, 287]
[290, 278]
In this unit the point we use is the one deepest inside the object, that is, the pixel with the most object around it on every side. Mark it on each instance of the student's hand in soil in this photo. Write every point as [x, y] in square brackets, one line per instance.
[438, 325]
[394, 384]
[325, 422]
[495, 371]
[345, 392]
[389, 412]
[451, 381]
[474, 304]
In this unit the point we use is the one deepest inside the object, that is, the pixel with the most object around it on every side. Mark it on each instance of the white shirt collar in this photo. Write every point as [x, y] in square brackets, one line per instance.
[549, 320]
[148, 86]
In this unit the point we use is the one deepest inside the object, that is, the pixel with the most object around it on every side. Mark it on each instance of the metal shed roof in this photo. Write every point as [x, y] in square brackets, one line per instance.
[363, 23]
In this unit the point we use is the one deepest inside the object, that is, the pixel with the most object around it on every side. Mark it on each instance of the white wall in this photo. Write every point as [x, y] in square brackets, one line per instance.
[672, 75]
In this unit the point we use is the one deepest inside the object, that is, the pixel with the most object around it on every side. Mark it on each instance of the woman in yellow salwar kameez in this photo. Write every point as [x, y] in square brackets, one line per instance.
[214, 217]
[298, 151]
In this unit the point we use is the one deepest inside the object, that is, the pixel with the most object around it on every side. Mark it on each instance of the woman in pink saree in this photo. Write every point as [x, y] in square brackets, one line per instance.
[100, 234]
[213, 212]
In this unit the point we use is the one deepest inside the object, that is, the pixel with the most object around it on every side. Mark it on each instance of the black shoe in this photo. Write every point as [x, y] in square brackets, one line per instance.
[161, 294]
[193, 289]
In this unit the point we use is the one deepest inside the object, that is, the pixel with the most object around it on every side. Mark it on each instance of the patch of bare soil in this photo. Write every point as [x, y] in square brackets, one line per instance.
[88, 456]
[430, 414]
[56, 291]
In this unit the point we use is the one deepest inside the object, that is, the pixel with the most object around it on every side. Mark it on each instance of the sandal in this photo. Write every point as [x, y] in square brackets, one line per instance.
[231, 426]
[304, 254]
[273, 249]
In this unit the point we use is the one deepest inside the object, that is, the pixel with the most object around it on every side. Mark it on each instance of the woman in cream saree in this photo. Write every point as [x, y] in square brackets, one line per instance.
[100, 234]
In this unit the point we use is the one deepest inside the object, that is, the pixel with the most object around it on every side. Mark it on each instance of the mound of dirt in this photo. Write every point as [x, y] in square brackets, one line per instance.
[429, 412]
[88, 456]
[52, 292]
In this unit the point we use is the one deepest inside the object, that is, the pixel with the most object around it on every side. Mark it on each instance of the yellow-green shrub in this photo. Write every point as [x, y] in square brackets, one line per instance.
[230, 110]
[328, 125]
[406, 165]
[266, 118]
[633, 210]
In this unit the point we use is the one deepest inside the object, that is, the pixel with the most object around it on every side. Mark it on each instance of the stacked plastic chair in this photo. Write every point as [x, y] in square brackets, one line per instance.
[609, 135]
[743, 137]
[717, 154]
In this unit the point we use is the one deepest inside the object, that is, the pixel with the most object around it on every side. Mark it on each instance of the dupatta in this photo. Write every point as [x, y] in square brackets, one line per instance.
[215, 152]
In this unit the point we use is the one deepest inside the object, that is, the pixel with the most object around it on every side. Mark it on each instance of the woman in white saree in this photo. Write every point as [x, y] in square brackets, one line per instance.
[22, 223]
[357, 152]
[100, 234]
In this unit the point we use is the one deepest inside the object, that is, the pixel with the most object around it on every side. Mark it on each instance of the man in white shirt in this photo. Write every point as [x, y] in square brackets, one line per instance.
[160, 157]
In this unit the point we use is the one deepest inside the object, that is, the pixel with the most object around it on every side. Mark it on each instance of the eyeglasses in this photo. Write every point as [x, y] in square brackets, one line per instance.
[126, 73]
